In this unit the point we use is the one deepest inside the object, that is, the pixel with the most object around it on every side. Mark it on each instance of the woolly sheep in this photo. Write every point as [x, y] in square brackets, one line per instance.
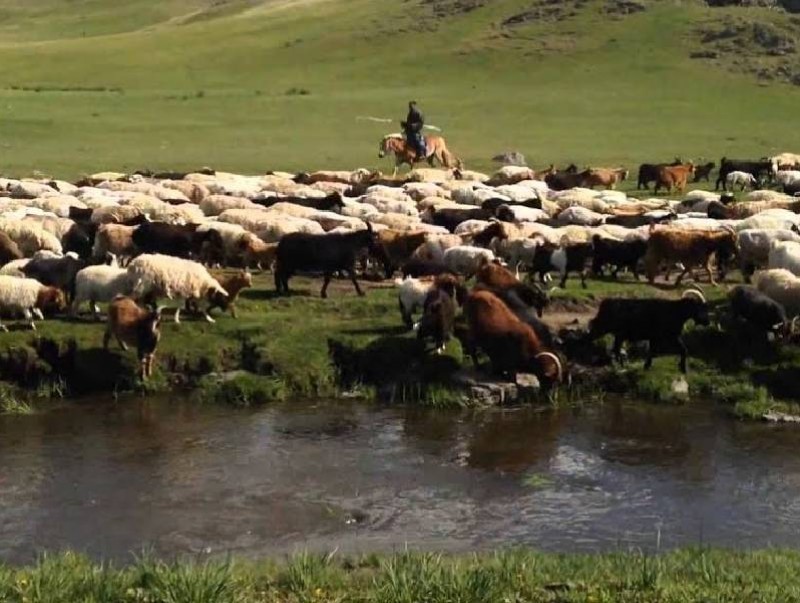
[411, 295]
[419, 190]
[397, 221]
[433, 249]
[362, 211]
[786, 255]
[767, 195]
[28, 297]
[522, 213]
[477, 196]
[782, 286]
[743, 179]
[471, 227]
[99, 284]
[270, 226]
[518, 193]
[214, 205]
[30, 238]
[466, 259]
[111, 214]
[787, 177]
[755, 246]
[511, 174]
[155, 275]
[232, 235]
[390, 205]
[581, 216]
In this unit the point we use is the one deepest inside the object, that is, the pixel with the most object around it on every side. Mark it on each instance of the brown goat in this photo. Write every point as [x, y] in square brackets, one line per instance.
[256, 252]
[690, 247]
[398, 247]
[233, 284]
[605, 177]
[674, 177]
[8, 249]
[511, 345]
[131, 324]
[498, 278]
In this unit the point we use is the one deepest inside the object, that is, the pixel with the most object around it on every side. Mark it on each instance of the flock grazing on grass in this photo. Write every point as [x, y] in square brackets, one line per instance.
[134, 241]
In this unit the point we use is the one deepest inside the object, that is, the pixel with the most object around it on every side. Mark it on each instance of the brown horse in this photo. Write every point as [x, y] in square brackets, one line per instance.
[404, 153]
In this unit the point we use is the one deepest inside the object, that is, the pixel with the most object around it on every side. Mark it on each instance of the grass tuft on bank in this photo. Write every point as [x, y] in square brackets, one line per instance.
[520, 576]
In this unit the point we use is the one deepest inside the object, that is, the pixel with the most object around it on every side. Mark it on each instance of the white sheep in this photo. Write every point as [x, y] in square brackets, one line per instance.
[30, 238]
[411, 295]
[214, 205]
[155, 275]
[390, 205]
[512, 174]
[471, 227]
[28, 297]
[787, 177]
[580, 216]
[521, 213]
[786, 255]
[466, 259]
[436, 245]
[755, 245]
[362, 211]
[782, 286]
[518, 251]
[99, 284]
[742, 179]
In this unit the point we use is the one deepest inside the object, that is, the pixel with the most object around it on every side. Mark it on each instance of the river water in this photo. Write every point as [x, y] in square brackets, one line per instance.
[111, 479]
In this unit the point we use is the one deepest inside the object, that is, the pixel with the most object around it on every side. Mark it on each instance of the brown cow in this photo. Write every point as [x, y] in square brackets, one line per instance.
[674, 177]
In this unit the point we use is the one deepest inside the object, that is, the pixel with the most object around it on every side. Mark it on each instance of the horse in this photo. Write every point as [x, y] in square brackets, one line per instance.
[405, 153]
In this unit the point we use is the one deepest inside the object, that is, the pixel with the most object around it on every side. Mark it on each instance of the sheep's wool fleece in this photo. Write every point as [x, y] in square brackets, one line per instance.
[170, 276]
[18, 293]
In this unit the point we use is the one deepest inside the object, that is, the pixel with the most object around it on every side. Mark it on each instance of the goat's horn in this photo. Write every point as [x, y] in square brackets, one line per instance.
[556, 360]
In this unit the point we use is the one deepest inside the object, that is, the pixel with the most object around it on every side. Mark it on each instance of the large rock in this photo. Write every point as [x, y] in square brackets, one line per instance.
[511, 158]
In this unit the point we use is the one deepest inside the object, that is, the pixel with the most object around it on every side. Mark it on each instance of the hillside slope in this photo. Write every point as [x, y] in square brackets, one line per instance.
[280, 84]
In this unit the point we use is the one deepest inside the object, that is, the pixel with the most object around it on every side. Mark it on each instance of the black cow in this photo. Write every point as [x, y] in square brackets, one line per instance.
[658, 321]
[325, 253]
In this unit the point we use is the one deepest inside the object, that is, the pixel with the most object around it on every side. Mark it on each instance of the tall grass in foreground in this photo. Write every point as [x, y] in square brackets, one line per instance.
[515, 576]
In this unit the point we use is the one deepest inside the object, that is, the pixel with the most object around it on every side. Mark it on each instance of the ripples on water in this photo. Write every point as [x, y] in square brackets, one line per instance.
[109, 479]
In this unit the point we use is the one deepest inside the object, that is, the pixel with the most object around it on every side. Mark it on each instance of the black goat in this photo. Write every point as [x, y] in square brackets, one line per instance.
[79, 239]
[759, 310]
[332, 202]
[637, 220]
[759, 169]
[450, 218]
[176, 239]
[417, 268]
[325, 253]
[648, 172]
[563, 260]
[55, 272]
[703, 172]
[658, 321]
[619, 254]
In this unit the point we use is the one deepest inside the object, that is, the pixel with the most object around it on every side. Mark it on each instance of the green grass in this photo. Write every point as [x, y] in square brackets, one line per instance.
[521, 576]
[186, 83]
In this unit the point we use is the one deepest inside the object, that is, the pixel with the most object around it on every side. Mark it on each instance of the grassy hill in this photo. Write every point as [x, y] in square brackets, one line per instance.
[279, 84]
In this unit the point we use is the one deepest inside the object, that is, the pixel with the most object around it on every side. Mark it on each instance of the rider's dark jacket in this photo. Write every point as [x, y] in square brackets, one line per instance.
[414, 121]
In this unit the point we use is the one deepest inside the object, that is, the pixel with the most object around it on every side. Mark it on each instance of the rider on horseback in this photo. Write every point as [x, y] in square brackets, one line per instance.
[412, 127]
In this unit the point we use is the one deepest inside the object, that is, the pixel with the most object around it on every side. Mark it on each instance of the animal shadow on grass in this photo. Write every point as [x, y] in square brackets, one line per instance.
[386, 330]
[389, 360]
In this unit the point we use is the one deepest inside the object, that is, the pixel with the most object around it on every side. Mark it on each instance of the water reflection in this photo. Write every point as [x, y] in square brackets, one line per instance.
[111, 478]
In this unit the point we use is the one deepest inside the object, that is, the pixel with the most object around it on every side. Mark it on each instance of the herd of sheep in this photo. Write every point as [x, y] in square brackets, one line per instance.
[133, 241]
